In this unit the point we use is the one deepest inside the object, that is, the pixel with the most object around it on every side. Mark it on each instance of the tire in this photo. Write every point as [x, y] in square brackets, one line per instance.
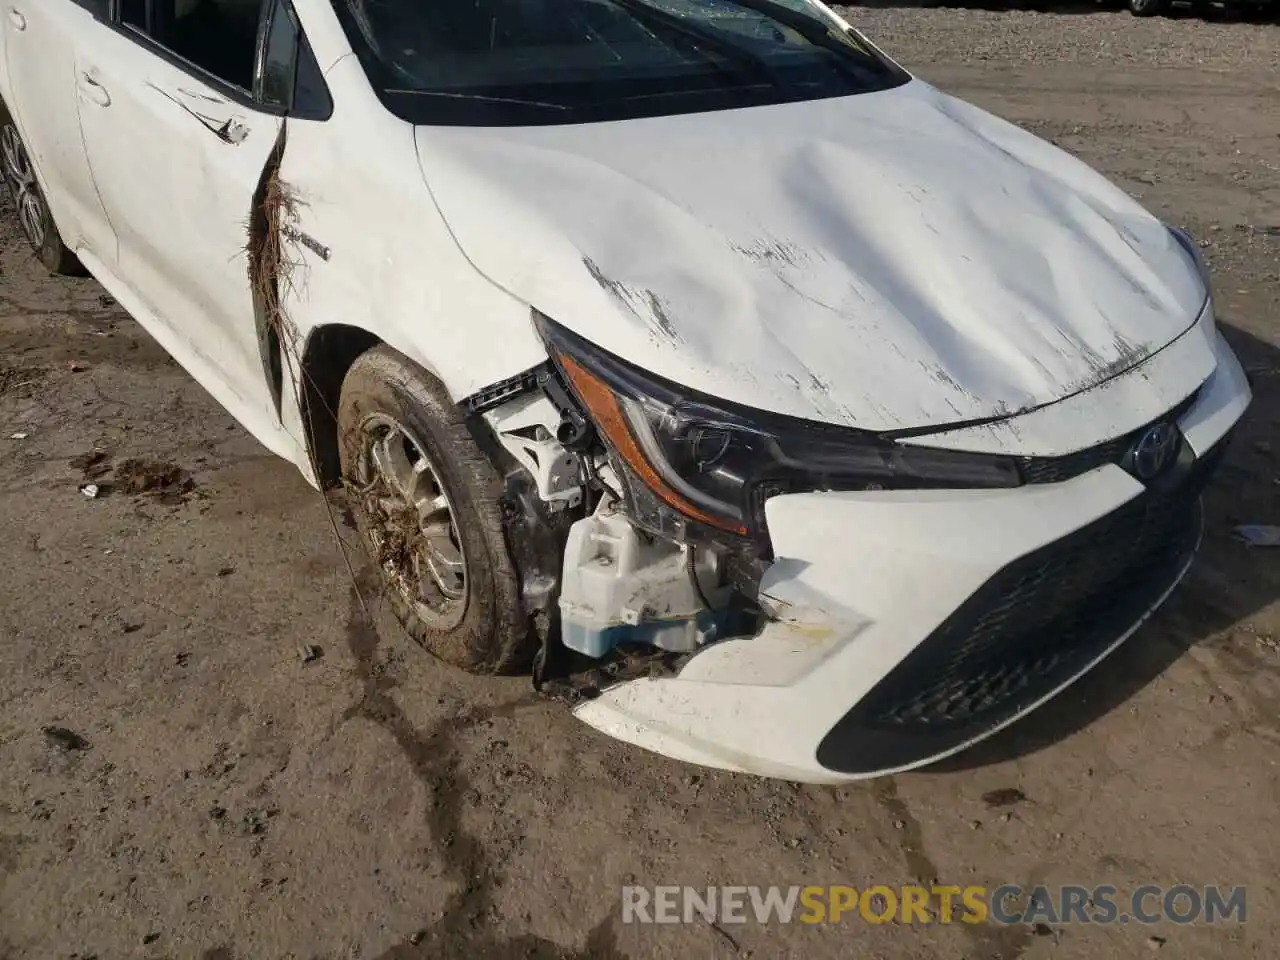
[34, 216]
[1146, 8]
[384, 392]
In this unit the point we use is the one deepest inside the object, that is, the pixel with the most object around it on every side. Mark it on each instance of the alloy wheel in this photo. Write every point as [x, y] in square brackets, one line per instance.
[410, 521]
[21, 178]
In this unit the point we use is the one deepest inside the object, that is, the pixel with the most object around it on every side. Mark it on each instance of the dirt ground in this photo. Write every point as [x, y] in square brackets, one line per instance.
[215, 796]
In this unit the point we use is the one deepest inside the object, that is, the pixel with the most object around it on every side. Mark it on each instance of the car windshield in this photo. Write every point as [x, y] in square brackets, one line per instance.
[500, 62]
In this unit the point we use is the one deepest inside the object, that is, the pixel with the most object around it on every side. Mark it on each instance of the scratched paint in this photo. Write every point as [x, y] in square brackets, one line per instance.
[230, 130]
[761, 704]
[643, 303]
[889, 260]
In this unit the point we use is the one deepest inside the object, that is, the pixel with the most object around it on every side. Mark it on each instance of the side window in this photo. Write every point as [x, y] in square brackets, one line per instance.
[135, 13]
[219, 36]
[279, 60]
[289, 78]
[223, 38]
[97, 7]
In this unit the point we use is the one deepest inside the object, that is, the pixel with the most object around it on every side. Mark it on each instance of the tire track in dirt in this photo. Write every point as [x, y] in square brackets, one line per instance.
[434, 758]
[1006, 942]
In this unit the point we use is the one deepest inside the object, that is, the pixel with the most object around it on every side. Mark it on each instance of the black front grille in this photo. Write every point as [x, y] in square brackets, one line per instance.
[1059, 469]
[1072, 465]
[1038, 622]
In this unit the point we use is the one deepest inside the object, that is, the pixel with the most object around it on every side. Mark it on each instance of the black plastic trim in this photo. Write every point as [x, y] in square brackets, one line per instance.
[229, 90]
[311, 97]
[1037, 624]
[496, 394]
[1118, 451]
[98, 9]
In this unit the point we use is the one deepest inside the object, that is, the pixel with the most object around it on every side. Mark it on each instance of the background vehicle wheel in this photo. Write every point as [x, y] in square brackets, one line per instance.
[428, 504]
[1146, 8]
[34, 215]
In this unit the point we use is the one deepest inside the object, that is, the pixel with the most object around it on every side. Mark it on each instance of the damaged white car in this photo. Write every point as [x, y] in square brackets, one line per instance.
[788, 415]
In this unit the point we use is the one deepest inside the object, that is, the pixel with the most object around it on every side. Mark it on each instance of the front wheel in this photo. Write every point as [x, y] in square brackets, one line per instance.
[34, 215]
[429, 507]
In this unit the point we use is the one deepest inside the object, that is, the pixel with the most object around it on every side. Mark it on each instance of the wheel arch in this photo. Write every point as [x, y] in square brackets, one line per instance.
[329, 353]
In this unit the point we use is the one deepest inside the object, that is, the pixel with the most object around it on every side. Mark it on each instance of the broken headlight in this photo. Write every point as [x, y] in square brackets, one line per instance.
[718, 463]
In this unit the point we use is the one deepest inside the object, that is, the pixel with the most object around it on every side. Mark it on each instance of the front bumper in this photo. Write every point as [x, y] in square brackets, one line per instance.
[908, 625]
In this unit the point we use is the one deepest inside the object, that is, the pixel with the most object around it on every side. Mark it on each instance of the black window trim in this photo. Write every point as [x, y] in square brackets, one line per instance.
[321, 108]
[266, 20]
[91, 7]
[245, 98]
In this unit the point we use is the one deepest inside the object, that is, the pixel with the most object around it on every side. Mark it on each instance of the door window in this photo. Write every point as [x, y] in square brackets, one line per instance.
[219, 36]
[279, 60]
[223, 37]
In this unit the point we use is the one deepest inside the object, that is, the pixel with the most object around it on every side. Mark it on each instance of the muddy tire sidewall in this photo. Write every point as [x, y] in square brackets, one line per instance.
[493, 635]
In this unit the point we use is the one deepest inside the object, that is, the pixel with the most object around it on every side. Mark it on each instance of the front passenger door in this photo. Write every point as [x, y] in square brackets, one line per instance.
[178, 147]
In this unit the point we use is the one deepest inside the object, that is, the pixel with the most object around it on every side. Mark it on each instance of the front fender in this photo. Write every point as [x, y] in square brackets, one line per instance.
[367, 248]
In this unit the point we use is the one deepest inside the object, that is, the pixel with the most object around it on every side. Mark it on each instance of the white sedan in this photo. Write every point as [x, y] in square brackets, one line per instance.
[786, 414]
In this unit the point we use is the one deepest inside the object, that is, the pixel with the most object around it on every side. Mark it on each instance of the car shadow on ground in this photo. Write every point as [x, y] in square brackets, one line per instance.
[1208, 11]
[1229, 582]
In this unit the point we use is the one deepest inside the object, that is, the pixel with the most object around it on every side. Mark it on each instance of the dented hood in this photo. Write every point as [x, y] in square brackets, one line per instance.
[888, 260]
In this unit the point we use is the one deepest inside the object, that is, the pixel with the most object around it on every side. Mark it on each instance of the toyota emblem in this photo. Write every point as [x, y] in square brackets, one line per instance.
[1156, 450]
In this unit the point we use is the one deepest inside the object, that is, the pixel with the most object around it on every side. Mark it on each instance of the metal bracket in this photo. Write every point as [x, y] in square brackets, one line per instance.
[526, 429]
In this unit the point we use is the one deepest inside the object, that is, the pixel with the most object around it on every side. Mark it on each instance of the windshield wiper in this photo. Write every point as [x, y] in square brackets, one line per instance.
[822, 34]
[712, 39]
[458, 95]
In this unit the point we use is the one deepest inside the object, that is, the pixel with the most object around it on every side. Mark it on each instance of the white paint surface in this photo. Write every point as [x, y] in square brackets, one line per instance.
[886, 260]
[917, 555]
[890, 260]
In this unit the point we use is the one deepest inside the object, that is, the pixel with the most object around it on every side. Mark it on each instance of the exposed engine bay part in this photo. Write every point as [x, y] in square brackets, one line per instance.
[496, 394]
[605, 595]
[535, 539]
[527, 428]
[621, 585]
[575, 431]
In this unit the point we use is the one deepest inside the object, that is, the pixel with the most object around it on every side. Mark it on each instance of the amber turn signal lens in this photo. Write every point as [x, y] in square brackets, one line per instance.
[612, 422]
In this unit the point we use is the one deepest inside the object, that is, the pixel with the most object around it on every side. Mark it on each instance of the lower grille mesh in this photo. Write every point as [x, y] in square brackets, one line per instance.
[1031, 627]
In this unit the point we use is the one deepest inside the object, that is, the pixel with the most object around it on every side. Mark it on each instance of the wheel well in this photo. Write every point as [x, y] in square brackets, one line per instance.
[329, 354]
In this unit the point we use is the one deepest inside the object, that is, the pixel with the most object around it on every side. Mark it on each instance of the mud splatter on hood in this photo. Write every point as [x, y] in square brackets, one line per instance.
[889, 260]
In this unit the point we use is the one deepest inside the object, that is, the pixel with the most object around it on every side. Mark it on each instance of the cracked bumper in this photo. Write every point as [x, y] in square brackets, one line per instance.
[909, 625]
